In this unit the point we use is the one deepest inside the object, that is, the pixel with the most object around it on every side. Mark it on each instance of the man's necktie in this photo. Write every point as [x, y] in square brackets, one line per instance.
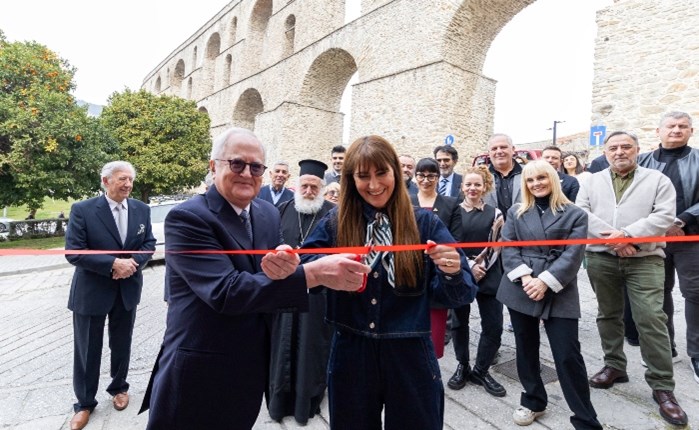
[122, 221]
[443, 186]
[245, 216]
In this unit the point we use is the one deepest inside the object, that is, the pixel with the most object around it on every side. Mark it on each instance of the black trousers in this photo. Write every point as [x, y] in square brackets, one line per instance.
[570, 366]
[491, 331]
[88, 334]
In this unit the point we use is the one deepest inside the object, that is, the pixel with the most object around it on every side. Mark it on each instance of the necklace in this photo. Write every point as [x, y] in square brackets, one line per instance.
[541, 210]
[302, 236]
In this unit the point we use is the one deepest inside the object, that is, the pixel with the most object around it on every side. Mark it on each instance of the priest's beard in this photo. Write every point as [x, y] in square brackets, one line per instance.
[306, 206]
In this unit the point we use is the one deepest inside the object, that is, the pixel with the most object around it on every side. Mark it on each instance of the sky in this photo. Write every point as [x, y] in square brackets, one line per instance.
[542, 59]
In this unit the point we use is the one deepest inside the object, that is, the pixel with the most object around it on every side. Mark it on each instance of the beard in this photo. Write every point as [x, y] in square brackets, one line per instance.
[306, 206]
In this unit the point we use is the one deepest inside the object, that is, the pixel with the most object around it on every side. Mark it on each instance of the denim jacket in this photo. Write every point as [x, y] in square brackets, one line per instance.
[381, 311]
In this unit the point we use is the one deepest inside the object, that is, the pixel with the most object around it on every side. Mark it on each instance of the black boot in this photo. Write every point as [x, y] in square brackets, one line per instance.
[459, 378]
[488, 382]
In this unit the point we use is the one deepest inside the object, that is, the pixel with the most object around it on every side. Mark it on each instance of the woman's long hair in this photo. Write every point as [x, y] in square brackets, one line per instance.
[557, 200]
[578, 165]
[375, 151]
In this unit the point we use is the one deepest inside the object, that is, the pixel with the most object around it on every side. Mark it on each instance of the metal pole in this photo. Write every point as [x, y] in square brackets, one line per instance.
[554, 132]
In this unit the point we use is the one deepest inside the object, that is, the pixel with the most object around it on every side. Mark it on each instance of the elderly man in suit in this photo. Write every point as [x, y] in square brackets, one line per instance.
[214, 361]
[106, 284]
[627, 201]
[276, 193]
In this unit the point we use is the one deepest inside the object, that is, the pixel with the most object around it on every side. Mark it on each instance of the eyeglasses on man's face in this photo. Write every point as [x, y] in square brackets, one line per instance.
[431, 177]
[237, 166]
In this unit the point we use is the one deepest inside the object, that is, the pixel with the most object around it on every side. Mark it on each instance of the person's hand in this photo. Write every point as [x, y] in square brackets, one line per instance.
[281, 263]
[478, 271]
[446, 258]
[627, 250]
[535, 288]
[674, 231]
[123, 268]
[339, 272]
[615, 234]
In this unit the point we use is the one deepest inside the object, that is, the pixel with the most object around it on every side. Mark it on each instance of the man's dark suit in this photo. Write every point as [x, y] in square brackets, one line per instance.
[266, 195]
[94, 294]
[569, 186]
[214, 362]
[456, 187]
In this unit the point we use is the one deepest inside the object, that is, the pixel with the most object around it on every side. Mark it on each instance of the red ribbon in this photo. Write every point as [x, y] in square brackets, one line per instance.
[364, 249]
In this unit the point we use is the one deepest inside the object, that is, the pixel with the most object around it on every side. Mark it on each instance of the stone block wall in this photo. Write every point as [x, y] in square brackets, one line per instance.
[646, 63]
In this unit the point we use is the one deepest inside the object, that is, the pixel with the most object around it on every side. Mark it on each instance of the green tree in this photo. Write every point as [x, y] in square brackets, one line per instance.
[166, 139]
[48, 145]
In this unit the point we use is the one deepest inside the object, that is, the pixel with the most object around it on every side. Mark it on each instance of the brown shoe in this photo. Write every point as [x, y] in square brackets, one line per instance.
[121, 401]
[670, 410]
[80, 419]
[606, 377]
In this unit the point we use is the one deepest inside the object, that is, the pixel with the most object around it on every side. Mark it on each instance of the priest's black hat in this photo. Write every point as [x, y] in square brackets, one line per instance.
[313, 167]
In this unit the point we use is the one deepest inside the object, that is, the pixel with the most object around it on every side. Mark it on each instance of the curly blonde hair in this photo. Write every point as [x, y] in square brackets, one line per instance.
[483, 172]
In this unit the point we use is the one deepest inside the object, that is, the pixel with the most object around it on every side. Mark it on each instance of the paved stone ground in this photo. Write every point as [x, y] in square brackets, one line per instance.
[36, 363]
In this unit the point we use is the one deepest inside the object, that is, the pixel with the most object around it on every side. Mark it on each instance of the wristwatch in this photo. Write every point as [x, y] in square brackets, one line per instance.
[679, 223]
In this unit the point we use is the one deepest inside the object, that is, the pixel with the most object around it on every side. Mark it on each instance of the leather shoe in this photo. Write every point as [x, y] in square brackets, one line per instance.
[492, 386]
[121, 401]
[80, 419]
[458, 379]
[607, 377]
[669, 409]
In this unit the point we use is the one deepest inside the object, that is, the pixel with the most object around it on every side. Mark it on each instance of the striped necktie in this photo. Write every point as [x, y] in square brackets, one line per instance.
[443, 186]
[378, 232]
[245, 216]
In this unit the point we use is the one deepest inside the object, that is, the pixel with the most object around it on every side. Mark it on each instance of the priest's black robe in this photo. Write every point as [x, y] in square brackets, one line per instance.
[300, 341]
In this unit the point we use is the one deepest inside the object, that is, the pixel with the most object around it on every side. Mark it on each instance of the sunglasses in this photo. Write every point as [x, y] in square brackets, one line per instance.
[237, 166]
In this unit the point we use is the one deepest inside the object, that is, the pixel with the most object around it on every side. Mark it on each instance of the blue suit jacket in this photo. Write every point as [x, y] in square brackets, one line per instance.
[92, 227]
[266, 195]
[214, 361]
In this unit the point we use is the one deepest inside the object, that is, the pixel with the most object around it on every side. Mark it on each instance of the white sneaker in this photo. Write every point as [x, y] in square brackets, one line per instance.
[675, 359]
[525, 416]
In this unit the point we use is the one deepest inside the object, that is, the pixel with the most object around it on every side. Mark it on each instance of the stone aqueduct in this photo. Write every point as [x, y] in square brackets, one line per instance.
[280, 67]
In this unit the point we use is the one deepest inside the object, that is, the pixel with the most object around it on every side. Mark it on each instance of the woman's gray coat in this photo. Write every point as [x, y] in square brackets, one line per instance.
[557, 265]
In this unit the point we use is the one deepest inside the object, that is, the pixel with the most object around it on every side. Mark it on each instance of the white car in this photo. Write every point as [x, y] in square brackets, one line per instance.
[5, 224]
[158, 211]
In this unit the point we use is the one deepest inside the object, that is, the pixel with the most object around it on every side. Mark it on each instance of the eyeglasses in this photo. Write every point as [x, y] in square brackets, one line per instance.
[431, 177]
[237, 166]
[332, 193]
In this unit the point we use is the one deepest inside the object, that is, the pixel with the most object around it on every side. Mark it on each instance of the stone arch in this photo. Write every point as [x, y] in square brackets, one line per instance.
[233, 32]
[227, 67]
[326, 79]
[247, 108]
[158, 84]
[465, 44]
[259, 19]
[178, 76]
[212, 51]
[202, 109]
[289, 34]
[190, 88]
[194, 58]
[321, 92]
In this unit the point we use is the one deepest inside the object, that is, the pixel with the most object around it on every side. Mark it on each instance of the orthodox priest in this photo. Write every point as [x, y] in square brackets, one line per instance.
[300, 341]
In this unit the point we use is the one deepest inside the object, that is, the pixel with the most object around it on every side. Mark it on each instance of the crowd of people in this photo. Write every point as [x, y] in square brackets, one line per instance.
[368, 327]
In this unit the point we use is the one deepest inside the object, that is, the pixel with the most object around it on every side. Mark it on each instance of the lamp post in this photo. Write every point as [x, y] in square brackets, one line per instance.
[554, 130]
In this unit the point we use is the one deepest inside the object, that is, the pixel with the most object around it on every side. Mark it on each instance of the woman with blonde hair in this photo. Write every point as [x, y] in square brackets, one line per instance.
[382, 357]
[332, 192]
[540, 283]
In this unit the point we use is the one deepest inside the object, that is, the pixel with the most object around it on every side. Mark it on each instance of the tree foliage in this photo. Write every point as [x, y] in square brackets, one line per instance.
[166, 139]
[48, 145]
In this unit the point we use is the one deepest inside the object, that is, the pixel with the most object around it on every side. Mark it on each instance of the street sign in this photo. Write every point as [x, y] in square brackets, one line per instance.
[449, 140]
[597, 133]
